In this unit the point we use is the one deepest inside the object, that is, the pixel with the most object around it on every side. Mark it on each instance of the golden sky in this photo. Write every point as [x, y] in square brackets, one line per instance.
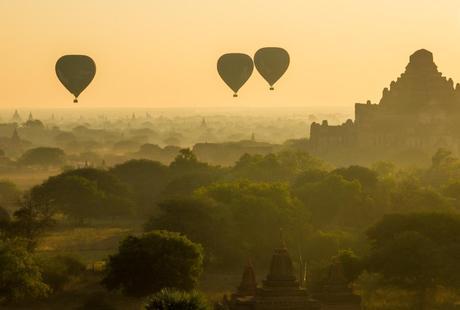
[163, 53]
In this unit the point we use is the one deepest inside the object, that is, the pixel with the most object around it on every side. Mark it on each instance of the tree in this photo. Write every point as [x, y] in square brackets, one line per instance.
[352, 264]
[85, 193]
[254, 212]
[4, 216]
[199, 220]
[410, 196]
[365, 176]
[73, 195]
[184, 185]
[145, 178]
[186, 162]
[160, 259]
[444, 167]
[30, 221]
[57, 271]
[20, 275]
[384, 169]
[168, 299]
[417, 251]
[334, 200]
[9, 194]
[283, 166]
[43, 156]
[34, 124]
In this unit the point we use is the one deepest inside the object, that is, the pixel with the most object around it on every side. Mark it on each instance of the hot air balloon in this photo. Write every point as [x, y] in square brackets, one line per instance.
[271, 62]
[75, 72]
[235, 69]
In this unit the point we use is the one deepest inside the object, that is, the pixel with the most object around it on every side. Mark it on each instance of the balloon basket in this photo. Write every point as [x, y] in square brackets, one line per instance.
[235, 95]
[75, 100]
[272, 88]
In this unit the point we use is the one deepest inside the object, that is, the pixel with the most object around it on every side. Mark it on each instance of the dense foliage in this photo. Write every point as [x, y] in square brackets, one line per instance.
[153, 261]
[20, 275]
[388, 226]
[168, 299]
[43, 156]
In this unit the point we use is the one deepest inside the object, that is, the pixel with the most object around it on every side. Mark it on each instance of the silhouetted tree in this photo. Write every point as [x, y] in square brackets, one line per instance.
[30, 221]
[42, 156]
[153, 261]
[85, 193]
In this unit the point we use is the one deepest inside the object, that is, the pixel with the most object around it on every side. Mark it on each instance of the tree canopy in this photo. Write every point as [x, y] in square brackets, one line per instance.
[417, 250]
[43, 156]
[20, 275]
[160, 259]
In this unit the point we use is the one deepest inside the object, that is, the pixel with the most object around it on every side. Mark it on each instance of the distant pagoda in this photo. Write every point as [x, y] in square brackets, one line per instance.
[203, 123]
[16, 117]
[335, 292]
[15, 139]
[248, 285]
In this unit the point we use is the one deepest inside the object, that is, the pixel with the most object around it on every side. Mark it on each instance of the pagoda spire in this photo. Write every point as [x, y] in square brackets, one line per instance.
[15, 139]
[248, 285]
[16, 117]
[203, 123]
[282, 241]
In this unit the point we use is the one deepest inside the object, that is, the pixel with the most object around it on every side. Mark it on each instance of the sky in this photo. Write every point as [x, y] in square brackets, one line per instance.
[163, 53]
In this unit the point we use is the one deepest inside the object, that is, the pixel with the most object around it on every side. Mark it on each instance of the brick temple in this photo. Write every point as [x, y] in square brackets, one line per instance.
[418, 114]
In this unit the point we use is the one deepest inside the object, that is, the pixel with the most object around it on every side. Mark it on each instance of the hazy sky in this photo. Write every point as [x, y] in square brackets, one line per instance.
[163, 53]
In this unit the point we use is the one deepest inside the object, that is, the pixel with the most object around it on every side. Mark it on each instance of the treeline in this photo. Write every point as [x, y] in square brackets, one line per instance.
[399, 227]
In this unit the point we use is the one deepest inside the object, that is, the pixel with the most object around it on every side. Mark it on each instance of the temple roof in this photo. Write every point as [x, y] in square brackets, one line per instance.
[421, 85]
[248, 285]
[422, 55]
[281, 270]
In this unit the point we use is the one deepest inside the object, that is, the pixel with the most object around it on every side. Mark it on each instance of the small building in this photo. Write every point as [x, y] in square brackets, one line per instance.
[335, 293]
[279, 291]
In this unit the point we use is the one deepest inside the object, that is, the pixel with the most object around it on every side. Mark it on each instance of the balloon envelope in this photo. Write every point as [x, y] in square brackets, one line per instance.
[75, 72]
[235, 69]
[272, 63]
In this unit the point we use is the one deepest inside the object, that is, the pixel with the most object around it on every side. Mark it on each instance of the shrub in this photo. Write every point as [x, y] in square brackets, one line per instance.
[168, 299]
[60, 270]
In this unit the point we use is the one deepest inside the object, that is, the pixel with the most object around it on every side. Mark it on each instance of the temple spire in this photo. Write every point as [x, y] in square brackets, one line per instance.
[248, 285]
[282, 241]
[15, 137]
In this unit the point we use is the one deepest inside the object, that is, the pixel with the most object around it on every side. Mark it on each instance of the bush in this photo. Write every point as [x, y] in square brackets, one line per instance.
[160, 259]
[168, 299]
[60, 270]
